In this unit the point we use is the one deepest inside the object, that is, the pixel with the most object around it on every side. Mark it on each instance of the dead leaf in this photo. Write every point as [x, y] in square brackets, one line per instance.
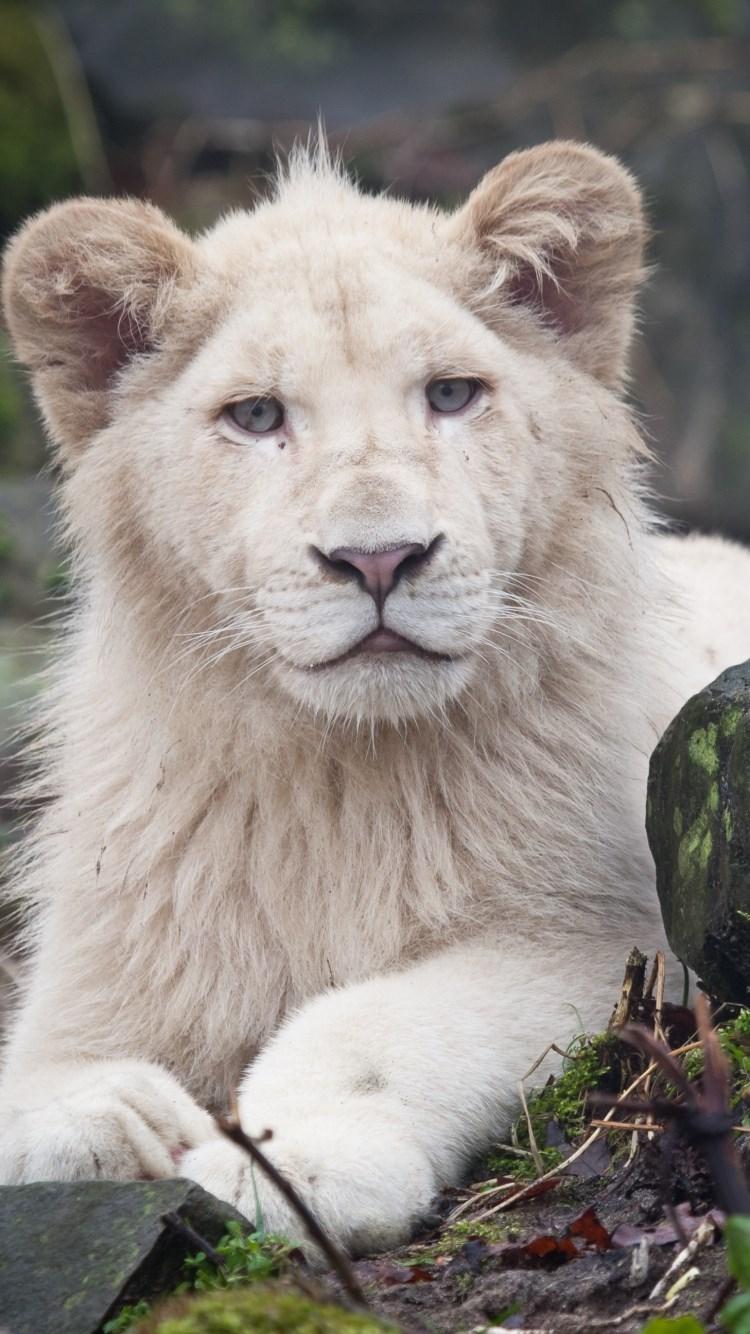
[665, 1233]
[584, 1233]
[591, 1230]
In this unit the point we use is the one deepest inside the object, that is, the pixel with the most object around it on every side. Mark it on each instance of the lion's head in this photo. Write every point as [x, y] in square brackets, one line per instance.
[339, 425]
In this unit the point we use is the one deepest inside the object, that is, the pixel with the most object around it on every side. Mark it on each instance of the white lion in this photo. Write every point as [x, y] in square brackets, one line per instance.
[345, 765]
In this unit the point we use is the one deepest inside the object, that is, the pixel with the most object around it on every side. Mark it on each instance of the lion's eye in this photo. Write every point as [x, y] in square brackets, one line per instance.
[257, 416]
[451, 395]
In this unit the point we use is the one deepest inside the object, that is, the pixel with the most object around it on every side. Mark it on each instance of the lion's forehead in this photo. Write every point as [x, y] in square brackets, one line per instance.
[303, 319]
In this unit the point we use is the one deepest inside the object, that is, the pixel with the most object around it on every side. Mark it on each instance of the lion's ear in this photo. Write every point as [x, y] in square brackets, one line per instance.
[87, 286]
[561, 230]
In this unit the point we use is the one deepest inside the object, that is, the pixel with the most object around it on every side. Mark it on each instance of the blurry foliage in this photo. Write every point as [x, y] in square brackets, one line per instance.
[21, 445]
[37, 160]
[665, 86]
[300, 33]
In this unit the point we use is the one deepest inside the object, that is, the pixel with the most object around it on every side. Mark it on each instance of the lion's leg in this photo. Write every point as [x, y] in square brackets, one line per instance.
[72, 1108]
[380, 1093]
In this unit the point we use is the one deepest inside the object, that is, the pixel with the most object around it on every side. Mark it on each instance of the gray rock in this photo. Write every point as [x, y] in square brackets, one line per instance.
[698, 823]
[71, 1254]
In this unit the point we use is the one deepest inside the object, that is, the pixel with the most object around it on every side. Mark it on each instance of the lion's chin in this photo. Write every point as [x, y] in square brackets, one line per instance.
[380, 688]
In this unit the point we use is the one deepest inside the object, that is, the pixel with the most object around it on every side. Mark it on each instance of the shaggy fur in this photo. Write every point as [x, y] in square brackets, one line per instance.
[382, 882]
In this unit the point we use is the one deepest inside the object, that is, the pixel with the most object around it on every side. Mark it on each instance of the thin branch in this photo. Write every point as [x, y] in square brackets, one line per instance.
[199, 1243]
[334, 1255]
[467, 1205]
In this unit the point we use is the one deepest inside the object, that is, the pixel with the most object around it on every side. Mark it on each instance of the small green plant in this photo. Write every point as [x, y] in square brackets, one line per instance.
[735, 1316]
[734, 1038]
[522, 1168]
[126, 1318]
[561, 1100]
[246, 1258]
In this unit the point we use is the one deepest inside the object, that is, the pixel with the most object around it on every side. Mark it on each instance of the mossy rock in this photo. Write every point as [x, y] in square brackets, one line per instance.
[698, 823]
[257, 1310]
[73, 1253]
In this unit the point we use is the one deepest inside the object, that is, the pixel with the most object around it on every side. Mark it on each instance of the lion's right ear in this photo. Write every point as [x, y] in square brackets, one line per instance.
[87, 286]
[560, 230]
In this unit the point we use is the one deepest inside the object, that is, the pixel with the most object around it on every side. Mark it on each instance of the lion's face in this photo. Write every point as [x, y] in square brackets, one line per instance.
[351, 466]
[351, 460]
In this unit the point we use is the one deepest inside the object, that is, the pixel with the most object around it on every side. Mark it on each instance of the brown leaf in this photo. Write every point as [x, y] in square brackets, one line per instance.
[591, 1230]
[664, 1234]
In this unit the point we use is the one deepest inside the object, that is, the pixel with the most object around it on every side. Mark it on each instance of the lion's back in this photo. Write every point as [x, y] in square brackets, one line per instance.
[710, 583]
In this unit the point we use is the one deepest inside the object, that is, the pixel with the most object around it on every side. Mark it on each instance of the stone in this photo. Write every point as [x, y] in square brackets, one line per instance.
[698, 824]
[71, 1254]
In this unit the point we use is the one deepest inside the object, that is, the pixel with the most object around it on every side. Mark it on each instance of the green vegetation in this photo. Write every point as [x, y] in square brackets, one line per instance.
[37, 160]
[262, 1309]
[734, 1037]
[246, 1258]
[127, 1318]
[562, 1101]
[455, 1237]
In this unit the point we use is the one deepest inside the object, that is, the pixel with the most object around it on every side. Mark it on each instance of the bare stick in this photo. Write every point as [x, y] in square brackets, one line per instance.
[534, 1151]
[631, 993]
[198, 1242]
[335, 1257]
[644, 1128]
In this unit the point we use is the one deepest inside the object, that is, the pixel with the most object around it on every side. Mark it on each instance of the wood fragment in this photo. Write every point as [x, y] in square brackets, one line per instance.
[631, 993]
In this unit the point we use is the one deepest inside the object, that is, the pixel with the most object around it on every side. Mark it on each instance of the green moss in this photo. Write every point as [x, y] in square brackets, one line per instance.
[522, 1168]
[695, 847]
[562, 1100]
[702, 748]
[677, 821]
[713, 798]
[734, 1038]
[731, 721]
[263, 1310]
[454, 1237]
[727, 823]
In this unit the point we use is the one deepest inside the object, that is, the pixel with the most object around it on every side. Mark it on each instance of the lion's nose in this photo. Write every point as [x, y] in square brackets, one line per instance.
[377, 572]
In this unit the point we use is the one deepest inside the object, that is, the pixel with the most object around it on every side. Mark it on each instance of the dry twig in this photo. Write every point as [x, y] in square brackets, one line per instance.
[338, 1261]
[620, 1102]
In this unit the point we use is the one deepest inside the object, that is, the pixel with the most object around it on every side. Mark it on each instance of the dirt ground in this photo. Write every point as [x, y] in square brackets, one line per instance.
[436, 1286]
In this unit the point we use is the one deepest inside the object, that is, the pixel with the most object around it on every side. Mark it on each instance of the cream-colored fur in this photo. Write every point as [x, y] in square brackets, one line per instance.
[369, 892]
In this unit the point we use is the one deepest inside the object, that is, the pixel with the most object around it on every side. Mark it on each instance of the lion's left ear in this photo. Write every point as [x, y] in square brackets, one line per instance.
[88, 286]
[561, 230]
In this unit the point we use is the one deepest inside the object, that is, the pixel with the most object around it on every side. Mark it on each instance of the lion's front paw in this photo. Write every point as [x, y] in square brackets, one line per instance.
[111, 1119]
[366, 1190]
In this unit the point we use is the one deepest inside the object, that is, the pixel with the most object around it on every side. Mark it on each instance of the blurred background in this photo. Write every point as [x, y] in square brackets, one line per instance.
[186, 102]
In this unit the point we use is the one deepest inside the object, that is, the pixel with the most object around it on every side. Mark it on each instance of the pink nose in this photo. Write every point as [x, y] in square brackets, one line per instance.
[377, 571]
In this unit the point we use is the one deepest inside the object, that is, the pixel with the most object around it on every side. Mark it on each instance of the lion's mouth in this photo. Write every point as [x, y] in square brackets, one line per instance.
[382, 640]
